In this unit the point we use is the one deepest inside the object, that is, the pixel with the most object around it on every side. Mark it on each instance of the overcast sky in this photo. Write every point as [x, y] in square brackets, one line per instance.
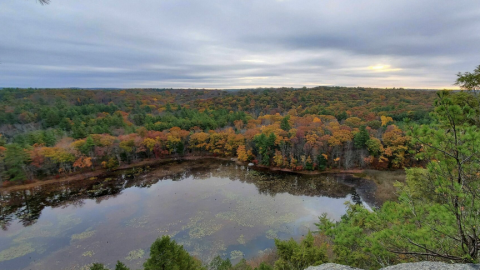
[237, 43]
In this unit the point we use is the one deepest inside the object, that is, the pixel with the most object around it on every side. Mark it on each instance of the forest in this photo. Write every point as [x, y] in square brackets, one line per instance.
[435, 218]
[54, 132]
[433, 136]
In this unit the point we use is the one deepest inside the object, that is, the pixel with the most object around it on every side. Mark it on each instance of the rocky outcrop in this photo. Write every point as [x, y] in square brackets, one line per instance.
[331, 266]
[404, 266]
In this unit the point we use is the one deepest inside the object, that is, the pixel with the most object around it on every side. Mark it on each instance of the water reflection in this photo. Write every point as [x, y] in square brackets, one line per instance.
[117, 216]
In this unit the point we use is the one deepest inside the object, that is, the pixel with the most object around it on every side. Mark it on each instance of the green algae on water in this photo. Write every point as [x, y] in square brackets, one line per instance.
[68, 220]
[86, 267]
[16, 252]
[271, 234]
[43, 230]
[83, 235]
[135, 254]
[200, 227]
[241, 240]
[89, 253]
[137, 222]
[236, 254]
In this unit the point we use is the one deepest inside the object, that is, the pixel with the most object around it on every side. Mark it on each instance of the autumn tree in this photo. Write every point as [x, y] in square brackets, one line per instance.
[83, 162]
[242, 153]
[395, 146]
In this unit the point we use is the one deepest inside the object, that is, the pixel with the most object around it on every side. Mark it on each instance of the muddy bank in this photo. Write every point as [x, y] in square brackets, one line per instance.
[99, 172]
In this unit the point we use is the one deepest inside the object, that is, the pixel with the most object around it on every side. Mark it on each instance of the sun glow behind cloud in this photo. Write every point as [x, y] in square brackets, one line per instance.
[383, 68]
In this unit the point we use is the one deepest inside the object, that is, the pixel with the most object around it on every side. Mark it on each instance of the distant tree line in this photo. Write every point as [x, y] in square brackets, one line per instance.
[56, 131]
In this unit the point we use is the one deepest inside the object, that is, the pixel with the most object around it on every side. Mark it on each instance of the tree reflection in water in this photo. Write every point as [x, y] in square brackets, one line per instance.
[27, 205]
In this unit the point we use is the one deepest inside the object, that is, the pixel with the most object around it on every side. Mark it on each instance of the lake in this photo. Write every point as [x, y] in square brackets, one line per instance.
[211, 207]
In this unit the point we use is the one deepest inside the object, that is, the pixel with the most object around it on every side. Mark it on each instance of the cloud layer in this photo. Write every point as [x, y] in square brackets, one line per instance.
[237, 43]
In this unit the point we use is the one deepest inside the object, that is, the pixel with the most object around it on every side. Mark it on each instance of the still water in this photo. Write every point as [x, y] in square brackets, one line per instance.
[210, 207]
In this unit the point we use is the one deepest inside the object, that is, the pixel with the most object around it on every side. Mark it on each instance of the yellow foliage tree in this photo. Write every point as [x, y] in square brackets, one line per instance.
[199, 140]
[242, 153]
[385, 120]
[278, 158]
[149, 143]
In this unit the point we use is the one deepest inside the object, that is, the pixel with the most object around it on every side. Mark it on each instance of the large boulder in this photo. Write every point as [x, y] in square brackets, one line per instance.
[331, 266]
[432, 266]
[404, 266]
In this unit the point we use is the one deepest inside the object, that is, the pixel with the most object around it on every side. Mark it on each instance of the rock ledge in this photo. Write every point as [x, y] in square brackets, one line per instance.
[404, 266]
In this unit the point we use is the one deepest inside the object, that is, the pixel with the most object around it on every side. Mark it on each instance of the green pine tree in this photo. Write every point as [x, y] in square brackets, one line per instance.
[121, 266]
[264, 266]
[321, 162]
[220, 264]
[167, 254]
[284, 124]
[360, 139]
[88, 146]
[98, 266]
[15, 161]
[296, 256]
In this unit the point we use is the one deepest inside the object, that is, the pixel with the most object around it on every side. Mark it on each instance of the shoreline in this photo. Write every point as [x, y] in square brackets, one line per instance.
[85, 175]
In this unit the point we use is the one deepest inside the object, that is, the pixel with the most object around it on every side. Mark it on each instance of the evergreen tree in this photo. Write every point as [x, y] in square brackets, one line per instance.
[49, 138]
[79, 130]
[321, 162]
[15, 161]
[296, 256]
[264, 266]
[265, 147]
[342, 116]
[52, 118]
[65, 124]
[2, 140]
[284, 124]
[88, 146]
[360, 139]
[241, 265]
[167, 254]
[118, 266]
[121, 266]
[98, 266]
[219, 264]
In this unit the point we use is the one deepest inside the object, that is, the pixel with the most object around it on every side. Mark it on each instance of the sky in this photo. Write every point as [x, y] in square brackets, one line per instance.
[237, 43]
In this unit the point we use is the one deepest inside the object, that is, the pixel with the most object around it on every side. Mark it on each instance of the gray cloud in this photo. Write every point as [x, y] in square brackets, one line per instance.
[231, 43]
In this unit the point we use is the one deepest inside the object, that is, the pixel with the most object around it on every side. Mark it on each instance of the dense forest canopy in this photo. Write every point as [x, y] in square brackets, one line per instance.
[436, 216]
[55, 131]
[432, 135]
